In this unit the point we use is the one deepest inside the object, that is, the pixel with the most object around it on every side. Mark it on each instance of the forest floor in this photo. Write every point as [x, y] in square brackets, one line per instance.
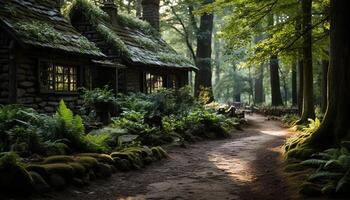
[247, 166]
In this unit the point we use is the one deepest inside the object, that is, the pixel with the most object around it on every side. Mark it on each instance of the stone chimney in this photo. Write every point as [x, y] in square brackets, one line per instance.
[111, 9]
[150, 12]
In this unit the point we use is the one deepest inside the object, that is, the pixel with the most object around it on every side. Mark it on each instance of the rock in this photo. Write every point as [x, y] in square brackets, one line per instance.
[49, 109]
[62, 169]
[57, 181]
[79, 169]
[26, 84]
[30, 90]
[58, 159]
[123, 164]
[103, 170]
[87, 162]
[52, 103]
[39, 183]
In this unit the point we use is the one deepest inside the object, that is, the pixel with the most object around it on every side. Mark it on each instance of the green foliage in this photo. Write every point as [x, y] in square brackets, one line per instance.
[46, 33]
[290, 119]
[13, 177]
[97, 95]
[133, 22]
[331, 171]
[112, 38]
[90, 11]
[300, 141]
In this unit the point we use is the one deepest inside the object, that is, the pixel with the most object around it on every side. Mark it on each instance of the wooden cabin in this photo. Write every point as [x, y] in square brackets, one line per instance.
[150, 62]
[42, 57]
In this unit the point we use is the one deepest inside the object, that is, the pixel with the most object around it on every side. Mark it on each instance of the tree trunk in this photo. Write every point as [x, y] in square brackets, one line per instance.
[217, 47]
[308, 97]
[300, 86]
[335, 126]
[275, 82]
[325, 64]
[203, 53]
[258, 86]
[294, 85]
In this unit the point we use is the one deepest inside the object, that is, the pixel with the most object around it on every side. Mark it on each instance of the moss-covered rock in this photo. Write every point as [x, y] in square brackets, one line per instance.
[58, 159]
[103, 170]
[122, 164]
[40, 185]
[148, 160]
[133, 157]
[65, 170]
[87, 161]
[78, 169]
[38, 169]
[105, 158]
[159, 153]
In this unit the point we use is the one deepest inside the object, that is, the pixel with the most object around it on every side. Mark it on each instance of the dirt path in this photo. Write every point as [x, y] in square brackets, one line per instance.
[243, 167]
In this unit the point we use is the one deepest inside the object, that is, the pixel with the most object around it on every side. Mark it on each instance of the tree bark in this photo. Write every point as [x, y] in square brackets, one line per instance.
[335, 126]
[276, 98]
[325, 64]
[308, 97]
[203, 53]
[258, 86]
[217, 47]
[294, 85]
[300, 86]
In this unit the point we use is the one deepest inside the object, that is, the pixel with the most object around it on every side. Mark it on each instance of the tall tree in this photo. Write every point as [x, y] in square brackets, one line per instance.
[294, 84]
[335, 126]
[203, 52]
[276, 97]
[325, 64]
[308, 94]
[258, 85]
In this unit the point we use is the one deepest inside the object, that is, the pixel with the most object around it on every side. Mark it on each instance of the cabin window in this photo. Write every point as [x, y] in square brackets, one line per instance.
[56, 77]
[154, 82]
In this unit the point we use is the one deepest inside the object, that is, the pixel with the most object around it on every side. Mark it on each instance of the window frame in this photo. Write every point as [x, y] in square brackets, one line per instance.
[44, 88]
[154, 78]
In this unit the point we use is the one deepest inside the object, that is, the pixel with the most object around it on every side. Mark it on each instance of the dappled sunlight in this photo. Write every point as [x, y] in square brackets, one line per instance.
[237, 169]
[273, 132]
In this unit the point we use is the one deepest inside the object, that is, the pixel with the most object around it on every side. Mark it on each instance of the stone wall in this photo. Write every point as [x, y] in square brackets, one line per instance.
[28, 90]
[4, 68]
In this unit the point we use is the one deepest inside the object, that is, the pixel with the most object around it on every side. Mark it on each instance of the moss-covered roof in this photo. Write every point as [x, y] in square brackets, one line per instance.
[37, 23]
[135, 39]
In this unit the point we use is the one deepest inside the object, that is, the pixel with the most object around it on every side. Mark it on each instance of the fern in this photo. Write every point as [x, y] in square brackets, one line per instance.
[343, 182]
[325, 175]
[314, 162]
